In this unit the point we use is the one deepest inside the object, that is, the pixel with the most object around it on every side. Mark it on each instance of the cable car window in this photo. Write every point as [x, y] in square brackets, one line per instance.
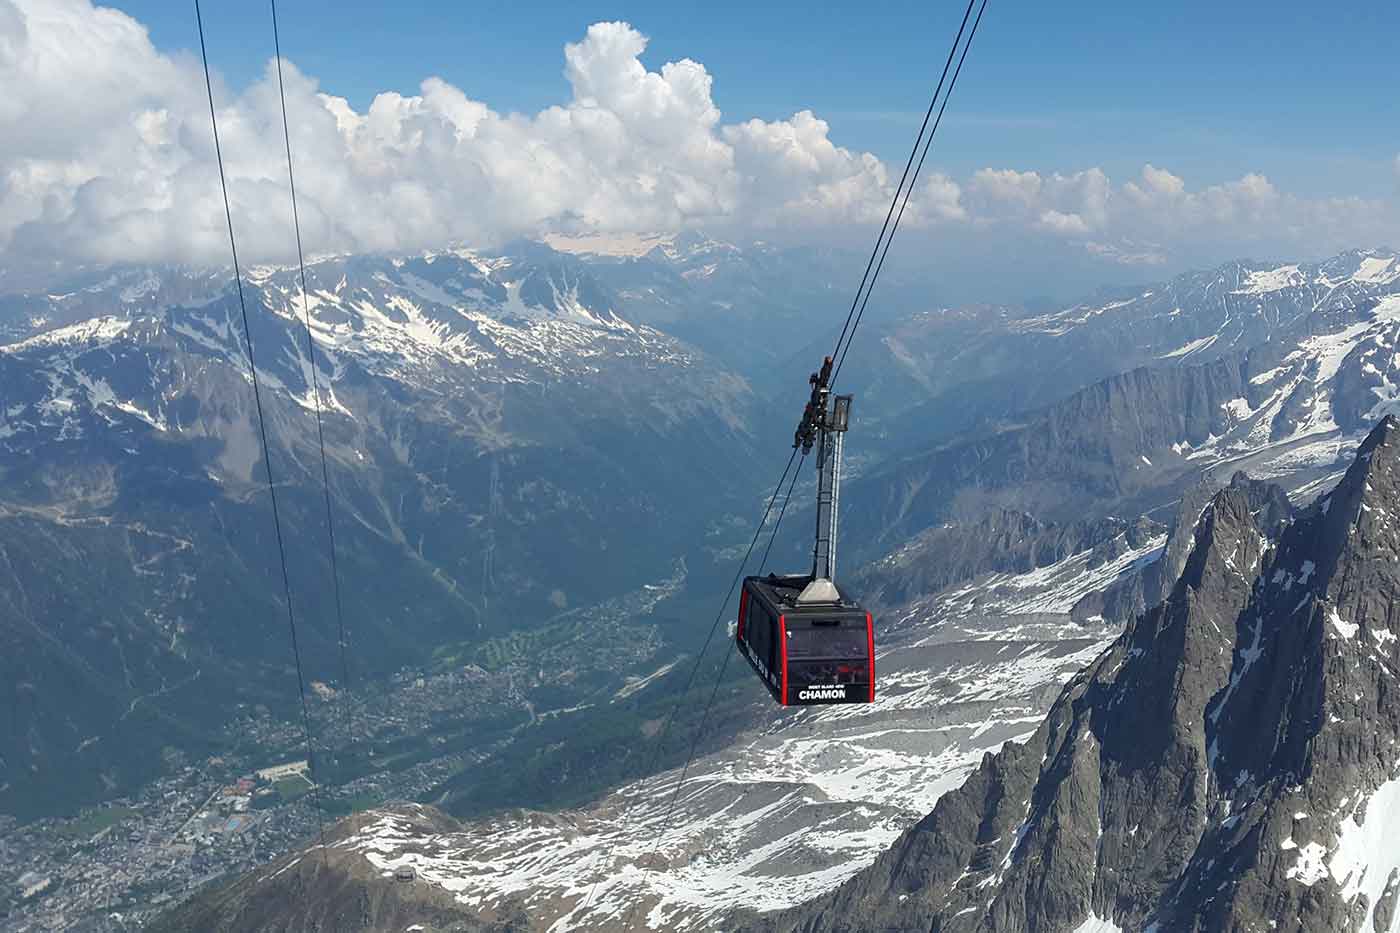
[758, 631]
[845, 641]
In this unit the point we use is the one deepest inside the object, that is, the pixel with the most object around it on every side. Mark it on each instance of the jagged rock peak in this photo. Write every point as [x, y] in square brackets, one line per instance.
[1268, 502]
[1133, 594]
[1364, 499]
[1229, 764]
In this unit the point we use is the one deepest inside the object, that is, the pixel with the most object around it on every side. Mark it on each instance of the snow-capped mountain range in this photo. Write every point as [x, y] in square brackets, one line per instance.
[1291, 402]
[958, 369]
[496, 432]
[492, 417]
[437, 322]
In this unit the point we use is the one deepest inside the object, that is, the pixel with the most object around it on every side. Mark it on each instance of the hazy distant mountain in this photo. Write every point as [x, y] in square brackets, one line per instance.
[933, 374]
[503, 444]
[1290, 395]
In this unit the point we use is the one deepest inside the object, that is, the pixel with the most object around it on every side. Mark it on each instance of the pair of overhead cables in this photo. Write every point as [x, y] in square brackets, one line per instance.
[874, 266]
[258, 405]
[898, 204]
[887, 229]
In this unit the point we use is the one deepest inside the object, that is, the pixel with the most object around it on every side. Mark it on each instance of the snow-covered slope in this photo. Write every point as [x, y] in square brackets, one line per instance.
[807, 799]
[802, 801]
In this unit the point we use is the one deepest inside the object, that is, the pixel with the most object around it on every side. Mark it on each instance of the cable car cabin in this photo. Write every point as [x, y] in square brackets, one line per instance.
[808, 653]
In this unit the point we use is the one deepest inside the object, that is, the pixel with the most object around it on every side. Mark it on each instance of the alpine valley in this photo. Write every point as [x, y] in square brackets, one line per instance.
[1131, 562]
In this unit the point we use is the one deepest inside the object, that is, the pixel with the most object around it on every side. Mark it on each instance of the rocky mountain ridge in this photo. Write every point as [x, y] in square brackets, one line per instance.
[1228, 763]
[968, 369]
[1135, 441]
[495, 432]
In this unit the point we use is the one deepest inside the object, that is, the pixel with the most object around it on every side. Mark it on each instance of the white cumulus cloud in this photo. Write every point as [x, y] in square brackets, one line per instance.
[106, 155]
[1157, 217]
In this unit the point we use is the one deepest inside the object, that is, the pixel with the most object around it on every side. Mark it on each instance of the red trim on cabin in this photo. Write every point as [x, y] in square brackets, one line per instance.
[870, 642]
[782, 640]
[743, 612]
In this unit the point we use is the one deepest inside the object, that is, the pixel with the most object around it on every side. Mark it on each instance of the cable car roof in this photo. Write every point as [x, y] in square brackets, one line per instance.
[782, 593]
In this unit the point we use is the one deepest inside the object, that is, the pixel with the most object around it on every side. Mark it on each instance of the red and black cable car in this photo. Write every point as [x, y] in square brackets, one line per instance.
[806, 653]
[809, 644]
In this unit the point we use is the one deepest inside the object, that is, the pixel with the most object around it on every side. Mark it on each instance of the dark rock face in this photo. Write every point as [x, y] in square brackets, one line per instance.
[1227, 765]
[1082, 455]
[1134, 441]
[1136, 593]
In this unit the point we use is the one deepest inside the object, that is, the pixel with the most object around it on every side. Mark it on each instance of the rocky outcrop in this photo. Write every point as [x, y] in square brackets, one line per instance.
[1135, 593]
[335, 888]
[1228, 764]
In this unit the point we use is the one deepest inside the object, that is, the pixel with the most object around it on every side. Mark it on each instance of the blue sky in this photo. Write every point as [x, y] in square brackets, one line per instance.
[1303, 92]
[1087, 143]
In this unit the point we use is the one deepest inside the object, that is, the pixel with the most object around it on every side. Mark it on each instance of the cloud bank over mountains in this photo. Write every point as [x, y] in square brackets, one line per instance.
[106, 156]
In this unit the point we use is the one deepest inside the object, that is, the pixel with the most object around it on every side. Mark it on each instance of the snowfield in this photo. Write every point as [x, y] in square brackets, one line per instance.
[804, 800]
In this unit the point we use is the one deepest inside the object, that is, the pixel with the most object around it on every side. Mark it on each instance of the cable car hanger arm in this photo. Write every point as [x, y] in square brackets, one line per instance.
[824, 422]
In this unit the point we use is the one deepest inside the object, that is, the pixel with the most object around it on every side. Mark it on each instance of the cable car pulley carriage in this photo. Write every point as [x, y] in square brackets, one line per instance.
[807, 642]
